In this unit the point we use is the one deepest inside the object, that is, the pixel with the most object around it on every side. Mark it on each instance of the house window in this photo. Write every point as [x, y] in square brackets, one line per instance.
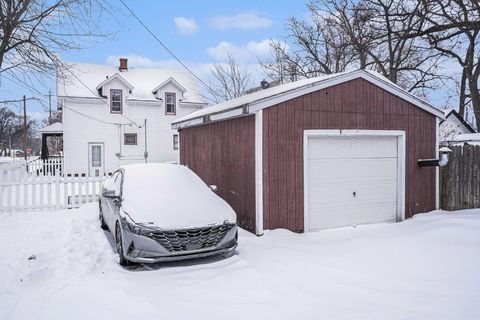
[175, 142]
[115, 101]
[96, 156]
[170, 103]
[130, 139]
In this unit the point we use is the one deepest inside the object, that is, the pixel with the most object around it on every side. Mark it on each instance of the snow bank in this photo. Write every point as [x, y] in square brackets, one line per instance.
[424, 268]
[171, 196]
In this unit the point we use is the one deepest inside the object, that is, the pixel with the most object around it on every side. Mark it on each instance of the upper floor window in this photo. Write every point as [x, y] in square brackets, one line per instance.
[130, 139]
[170, 103]
[115, 101]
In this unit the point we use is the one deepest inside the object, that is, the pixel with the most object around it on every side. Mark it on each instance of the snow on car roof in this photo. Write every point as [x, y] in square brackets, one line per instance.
[171, 196]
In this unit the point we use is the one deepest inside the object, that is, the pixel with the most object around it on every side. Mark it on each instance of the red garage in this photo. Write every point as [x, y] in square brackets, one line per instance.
[318, 153]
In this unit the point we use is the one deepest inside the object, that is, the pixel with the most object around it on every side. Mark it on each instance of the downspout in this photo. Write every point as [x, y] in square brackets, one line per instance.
[145, 153]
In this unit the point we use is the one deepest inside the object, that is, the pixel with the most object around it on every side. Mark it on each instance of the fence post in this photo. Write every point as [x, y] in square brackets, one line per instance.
[57, 193]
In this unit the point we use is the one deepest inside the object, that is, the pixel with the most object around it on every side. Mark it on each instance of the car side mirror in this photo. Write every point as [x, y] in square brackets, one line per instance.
[213, 187]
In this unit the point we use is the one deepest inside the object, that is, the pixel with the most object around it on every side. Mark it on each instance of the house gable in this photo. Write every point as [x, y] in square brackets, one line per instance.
[169, 81]
[453, 125]
[116, 78]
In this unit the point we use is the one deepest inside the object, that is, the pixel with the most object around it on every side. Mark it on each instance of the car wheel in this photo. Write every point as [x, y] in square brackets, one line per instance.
[118, 238]
[103, 225]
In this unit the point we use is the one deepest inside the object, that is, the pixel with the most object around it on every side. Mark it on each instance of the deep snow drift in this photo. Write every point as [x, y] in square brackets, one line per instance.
[424, 268]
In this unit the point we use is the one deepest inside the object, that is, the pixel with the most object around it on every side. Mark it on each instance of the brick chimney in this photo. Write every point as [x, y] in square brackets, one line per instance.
[123, 64]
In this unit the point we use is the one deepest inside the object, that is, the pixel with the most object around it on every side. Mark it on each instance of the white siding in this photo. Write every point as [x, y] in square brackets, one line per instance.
[79, 131]
[452, 127]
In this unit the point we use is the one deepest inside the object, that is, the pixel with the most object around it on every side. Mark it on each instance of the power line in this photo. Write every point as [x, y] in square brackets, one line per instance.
[18, 100]
[95, 119]
[165, 47]
[89, 89]
[41, 100]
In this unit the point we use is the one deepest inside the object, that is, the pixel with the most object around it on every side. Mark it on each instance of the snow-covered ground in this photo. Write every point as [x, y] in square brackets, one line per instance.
[427, 267]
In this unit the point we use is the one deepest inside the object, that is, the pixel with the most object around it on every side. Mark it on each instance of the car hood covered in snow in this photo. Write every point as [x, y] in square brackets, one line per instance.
[171, 196]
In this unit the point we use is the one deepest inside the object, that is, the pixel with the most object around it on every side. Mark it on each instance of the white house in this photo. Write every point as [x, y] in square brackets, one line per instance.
[453, 125]
[119, 115]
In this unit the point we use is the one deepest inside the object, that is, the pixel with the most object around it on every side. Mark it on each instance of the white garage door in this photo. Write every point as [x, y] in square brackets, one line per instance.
[351, 181]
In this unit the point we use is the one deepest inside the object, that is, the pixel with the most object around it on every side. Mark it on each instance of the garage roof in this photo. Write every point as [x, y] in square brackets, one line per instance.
[251, 103]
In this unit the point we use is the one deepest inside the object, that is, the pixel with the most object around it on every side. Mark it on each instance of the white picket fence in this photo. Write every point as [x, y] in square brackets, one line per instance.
[48, 192]
[45, 167]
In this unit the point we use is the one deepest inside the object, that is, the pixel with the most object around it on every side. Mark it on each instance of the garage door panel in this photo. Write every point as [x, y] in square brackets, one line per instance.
[320, 195]
[328, 171]
[351, 180]
[352, 147]
[346, 216]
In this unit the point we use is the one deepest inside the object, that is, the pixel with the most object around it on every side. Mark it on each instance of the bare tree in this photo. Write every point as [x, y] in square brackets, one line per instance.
[367, 34]
[317, 47]
[230, 80]
[34, 32]
[11, 130]
[376, 30]
[452, 28]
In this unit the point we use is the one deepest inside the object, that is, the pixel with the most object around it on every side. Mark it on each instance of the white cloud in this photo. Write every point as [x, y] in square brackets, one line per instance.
[246, 21]
[249, 52]
[201, 69]
[185, 26]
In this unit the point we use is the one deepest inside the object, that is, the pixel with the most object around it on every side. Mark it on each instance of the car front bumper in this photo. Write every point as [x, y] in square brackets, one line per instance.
[145, 249]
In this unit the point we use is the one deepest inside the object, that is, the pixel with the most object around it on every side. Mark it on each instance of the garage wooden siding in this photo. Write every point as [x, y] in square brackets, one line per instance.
[223, 153]
[356, 104]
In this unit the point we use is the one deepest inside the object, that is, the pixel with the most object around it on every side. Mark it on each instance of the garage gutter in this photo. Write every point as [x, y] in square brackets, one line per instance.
[251, 107]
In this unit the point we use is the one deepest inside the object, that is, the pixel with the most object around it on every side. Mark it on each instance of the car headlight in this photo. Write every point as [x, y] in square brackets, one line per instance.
[134, 228]
[131, 225]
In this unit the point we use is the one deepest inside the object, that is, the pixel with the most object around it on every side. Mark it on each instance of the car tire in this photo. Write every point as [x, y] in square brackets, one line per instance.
[118, 242]
[103, 225]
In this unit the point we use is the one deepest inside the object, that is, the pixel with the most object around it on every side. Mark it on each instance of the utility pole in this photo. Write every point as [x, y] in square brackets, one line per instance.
[25, 128]
[49, 107]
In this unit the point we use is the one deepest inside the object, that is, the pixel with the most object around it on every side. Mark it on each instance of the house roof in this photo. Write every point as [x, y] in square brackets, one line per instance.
[251, 103]
[56, 127]
[470, 138]
[87, 77]
[114, 77]
[172, 81]
[454, 113]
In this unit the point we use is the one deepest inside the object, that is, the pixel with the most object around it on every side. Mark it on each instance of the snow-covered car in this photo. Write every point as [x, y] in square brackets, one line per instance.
[163, 212]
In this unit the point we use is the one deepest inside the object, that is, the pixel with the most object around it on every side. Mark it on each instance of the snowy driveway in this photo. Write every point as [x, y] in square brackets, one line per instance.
[424, 268]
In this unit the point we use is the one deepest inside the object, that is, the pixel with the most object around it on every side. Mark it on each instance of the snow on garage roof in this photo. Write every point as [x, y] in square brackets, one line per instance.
[142, 81]
[56, 127]
[251, 103]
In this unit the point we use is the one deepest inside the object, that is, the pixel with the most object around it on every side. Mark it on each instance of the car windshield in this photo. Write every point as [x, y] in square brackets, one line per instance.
[149, 182]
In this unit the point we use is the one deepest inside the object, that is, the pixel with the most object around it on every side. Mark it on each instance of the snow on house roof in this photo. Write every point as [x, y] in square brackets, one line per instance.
[87, 77]
[56, 127]
[250, 103]
[470, 138]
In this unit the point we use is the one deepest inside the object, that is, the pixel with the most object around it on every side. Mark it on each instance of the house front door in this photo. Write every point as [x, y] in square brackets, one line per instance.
[96, 160]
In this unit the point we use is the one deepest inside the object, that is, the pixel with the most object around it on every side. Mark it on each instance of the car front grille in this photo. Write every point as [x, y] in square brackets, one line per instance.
[191, 239]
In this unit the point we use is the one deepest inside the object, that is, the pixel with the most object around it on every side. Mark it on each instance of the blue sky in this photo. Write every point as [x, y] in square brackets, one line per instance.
[199, 32]
[242, 27]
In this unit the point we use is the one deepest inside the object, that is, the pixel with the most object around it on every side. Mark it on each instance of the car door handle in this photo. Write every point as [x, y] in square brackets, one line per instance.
[354, 194]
